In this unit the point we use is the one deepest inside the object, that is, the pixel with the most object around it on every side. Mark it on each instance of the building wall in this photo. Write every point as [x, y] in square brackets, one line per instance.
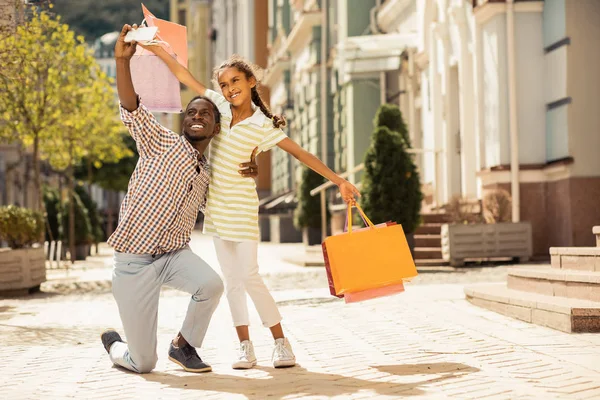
[495, 92]
[7, 13]
[583, 85]
[531, 105]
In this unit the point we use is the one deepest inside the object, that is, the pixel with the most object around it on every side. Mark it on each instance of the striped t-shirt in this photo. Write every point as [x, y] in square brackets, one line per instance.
[232, 205]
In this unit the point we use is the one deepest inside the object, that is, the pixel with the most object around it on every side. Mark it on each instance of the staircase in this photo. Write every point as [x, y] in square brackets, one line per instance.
[564, 296]
[428, 240]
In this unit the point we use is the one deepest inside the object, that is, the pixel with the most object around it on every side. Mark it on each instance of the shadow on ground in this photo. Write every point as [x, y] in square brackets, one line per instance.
[278, 383]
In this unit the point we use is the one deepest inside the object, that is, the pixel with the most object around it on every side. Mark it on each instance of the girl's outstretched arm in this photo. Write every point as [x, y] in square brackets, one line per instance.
[182, 73]
[347, 189]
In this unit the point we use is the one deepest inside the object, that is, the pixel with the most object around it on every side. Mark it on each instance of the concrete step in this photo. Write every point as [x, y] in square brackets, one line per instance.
[435, 217]
[428, 241]
[429, 229]
[428, 253]
[596, 231]
[575, 258]
[563, 314]
[549, 281]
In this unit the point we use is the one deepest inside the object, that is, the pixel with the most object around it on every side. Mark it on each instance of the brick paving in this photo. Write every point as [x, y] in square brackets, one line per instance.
[426, 343]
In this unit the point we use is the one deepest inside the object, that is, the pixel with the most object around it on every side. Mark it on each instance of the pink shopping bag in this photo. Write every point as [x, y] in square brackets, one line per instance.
[157, 87]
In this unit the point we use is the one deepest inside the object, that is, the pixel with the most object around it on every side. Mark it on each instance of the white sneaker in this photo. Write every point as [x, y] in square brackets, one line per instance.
[283, 355]
[246, 357]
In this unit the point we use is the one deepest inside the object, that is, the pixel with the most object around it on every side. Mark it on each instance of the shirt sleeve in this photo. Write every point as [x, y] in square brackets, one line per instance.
[220, 101]
[273, 136]
[151, 138]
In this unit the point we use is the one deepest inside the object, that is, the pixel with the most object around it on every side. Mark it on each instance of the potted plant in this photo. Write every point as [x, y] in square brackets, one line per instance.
[391, 187]
[22, 264]
[83, 229]
[491, 234]
[307, 216]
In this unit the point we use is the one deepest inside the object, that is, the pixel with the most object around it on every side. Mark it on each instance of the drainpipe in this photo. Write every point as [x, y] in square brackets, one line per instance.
[512, 110]
[324, 151]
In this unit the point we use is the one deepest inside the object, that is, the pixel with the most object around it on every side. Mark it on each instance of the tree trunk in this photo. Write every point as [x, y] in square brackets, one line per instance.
[90, 176]
[25, 187]
[39, 198]
[37, 173]
[71, 178]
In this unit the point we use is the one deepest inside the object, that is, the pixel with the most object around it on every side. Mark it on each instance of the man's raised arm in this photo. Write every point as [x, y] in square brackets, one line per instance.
[123, 53]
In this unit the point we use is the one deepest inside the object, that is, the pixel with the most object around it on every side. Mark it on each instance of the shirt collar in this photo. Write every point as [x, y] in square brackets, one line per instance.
[258, 118]
[195, 154]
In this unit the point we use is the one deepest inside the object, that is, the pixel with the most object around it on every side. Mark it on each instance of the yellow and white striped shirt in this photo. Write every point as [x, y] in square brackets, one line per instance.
[232, 205]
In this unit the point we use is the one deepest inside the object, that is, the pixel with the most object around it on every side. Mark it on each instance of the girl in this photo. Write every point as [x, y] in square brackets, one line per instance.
[247, 126]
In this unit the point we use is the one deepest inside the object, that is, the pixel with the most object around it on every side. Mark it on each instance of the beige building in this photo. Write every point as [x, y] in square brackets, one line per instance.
[195, 15]
[505, 94]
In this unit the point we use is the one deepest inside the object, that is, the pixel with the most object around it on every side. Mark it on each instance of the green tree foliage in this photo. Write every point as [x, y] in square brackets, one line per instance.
[308, 210]
[391, 187]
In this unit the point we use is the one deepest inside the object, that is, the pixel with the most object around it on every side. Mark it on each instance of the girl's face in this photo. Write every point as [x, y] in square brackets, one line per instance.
[236, 88]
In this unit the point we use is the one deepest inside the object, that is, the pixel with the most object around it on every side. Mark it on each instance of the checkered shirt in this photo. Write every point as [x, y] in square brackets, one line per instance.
[166, 191]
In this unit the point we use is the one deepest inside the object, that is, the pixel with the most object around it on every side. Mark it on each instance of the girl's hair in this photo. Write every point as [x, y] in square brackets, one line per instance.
[248, 69]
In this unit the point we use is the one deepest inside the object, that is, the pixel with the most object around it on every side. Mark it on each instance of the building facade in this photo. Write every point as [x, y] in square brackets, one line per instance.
[352, 90]
[485, 87]
[501, 86]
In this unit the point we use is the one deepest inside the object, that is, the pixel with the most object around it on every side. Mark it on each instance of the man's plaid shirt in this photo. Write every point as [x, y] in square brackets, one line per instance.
[167, 189]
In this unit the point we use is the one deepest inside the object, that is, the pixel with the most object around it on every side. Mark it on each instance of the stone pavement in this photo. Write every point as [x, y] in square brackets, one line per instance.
[426, 343]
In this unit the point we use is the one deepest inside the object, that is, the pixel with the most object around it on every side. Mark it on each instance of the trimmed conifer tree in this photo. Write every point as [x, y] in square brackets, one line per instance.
[391, 187]
[308, 210]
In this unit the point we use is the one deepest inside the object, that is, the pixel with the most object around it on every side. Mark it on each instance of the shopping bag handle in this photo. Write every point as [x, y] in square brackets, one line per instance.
[366, 219]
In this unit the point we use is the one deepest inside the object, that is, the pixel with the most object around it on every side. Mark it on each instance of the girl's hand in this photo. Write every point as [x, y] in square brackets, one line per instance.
[153, 48]
[348, 191]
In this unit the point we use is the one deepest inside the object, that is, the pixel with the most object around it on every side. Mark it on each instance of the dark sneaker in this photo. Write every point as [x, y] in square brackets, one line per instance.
[108, 337]
[187, 357]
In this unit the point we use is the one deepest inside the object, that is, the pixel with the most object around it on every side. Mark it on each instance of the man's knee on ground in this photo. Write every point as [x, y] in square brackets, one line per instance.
[146, 365]
[211, 289]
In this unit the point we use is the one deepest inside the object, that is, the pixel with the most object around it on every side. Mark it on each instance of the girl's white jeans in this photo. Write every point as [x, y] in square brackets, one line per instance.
[239, 264]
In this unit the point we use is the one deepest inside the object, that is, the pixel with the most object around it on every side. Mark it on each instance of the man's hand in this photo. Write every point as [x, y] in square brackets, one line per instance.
[125, 50]
[348, 191]
[250, 169]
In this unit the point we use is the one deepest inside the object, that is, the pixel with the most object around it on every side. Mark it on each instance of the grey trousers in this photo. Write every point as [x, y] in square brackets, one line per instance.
[136, 283]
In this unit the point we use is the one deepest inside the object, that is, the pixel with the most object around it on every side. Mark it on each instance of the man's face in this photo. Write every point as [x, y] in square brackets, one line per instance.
[199, 121]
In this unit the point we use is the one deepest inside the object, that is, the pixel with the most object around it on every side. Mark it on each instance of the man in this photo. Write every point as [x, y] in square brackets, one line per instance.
[165, 193]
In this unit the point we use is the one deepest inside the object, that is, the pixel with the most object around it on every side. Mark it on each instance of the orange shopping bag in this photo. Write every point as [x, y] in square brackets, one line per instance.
[369, 259]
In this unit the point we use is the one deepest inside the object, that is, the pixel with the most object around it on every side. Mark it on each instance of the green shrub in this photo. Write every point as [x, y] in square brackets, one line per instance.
[391, 186]
[389, 115]
[83, 229]
[94, 215]
[308, 210]
[20, 227]
[52, 205]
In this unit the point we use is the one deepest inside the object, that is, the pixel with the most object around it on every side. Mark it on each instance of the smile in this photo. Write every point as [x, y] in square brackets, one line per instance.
[197, 126]
[233, 96]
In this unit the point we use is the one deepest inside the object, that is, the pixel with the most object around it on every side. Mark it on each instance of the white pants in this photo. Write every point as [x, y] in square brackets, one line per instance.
[239, 264]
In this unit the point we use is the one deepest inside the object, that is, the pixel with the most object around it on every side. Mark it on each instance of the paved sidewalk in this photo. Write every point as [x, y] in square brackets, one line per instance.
[425, 343]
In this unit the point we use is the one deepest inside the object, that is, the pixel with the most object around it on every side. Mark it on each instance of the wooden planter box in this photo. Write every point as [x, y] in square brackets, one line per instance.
[510, 239]
[22, 269]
